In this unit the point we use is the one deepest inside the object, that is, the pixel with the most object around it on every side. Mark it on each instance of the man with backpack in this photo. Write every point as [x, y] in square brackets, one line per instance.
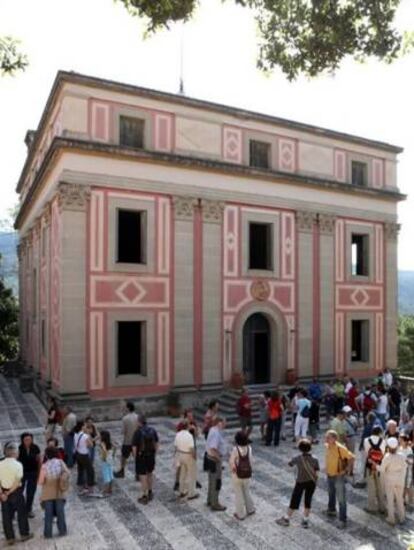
[144, 449]
[374, 447]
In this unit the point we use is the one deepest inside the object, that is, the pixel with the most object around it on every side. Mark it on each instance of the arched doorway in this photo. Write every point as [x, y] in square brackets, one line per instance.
[257, 349]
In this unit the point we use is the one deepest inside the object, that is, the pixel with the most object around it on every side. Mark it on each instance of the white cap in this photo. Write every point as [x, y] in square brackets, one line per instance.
[346, 409]
[392, 442]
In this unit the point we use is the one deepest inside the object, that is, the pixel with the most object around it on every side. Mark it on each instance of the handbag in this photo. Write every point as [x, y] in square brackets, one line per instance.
[64, 482]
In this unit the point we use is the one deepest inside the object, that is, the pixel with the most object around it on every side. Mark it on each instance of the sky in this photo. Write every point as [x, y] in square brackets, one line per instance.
[99, 38]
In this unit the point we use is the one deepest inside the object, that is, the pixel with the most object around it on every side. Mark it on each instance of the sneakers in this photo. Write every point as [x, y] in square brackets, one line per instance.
[342, 525]
[150, 495]
[218, 508]
[238, 517]
[30, 515]
[283, 521]
[196, 495]
[305, 523]
[198, 485]
[176, 486]
[331, 513]
[119, 474]
[10, 542]
[26, 537]
[143, 500]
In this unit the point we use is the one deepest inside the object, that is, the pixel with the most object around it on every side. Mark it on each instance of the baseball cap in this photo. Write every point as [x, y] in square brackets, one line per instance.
[392, 442]
[346, 409]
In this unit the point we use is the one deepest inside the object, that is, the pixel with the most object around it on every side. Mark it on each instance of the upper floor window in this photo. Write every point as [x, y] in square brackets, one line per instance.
[360, 255]
[259, 154]
[359, 173]
[360, 341]
[131, 132]
[131, 237]
[260, 246]
[131, 349]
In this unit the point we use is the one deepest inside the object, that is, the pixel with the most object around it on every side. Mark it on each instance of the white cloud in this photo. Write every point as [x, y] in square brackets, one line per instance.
[98, 37]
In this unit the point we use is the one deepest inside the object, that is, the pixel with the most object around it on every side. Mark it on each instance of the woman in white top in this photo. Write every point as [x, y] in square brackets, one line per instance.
[241, 468]
[82, 444]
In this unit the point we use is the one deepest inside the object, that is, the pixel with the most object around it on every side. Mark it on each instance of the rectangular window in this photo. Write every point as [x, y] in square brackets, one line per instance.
[360, 255]
[43, 337]
[131, 132]
[260, 246]
[359, 173]
[130, 239]
[259, 154]
[131, 347]
[360, 341]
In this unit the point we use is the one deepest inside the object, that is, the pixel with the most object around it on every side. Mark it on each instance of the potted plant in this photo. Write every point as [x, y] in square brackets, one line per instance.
[173, 404]
[237, 380]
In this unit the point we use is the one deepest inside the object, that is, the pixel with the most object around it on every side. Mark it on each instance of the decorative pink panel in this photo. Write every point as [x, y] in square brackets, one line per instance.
[55, 299]
[359, 297]
[163, 138]
[163, 348]
[339, 342]
[379, 254]
[232, 144]
[100, 114]
[240, 293]
[236, 295]
[231, 241]
[377, 173]
[283, 296]
[287, 154]
[96, 235]
[288, 245]
[124, 291]
[163, 236]
[340, 165]
[96, 350]
[339, 250]
[379, 341]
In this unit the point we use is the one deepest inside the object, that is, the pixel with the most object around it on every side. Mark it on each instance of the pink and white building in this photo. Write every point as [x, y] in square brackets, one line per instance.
[167, 242]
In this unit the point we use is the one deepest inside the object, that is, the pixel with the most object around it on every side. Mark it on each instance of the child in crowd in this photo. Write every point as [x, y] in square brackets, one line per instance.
[306, 476]
[107, 452]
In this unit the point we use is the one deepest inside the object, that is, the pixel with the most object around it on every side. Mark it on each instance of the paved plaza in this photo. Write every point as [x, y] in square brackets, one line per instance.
[120, 522]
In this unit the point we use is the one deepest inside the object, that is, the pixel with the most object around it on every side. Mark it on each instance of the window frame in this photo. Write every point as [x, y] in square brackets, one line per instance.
[365, 245]
[268, 151]
[143, 230]
[132, 118]
[267, 217]
[269, 248]
[364, 356]
[143, 351]
[133, 112]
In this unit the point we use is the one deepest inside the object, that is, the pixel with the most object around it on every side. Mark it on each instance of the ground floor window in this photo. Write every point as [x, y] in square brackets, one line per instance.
[360, 341]
[131, 348]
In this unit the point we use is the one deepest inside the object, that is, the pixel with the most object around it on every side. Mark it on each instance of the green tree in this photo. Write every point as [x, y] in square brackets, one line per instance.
[306, 37]
[11, 58]
[9, 326]
[406, 344]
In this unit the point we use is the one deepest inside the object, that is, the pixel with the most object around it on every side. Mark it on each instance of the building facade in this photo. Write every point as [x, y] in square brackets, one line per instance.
[167, 242]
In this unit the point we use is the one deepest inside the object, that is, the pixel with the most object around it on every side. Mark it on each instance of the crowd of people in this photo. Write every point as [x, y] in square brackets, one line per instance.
[376, 420]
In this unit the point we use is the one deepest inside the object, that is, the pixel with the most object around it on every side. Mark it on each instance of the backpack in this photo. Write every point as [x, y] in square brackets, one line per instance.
[375, 455]
[274, 410]
[368, 403]
[305, 412]
[147, 446]
[243, 466]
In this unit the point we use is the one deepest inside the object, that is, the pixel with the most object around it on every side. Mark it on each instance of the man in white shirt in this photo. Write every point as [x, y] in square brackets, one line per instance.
[393, 472]
[382, 407]
[374, 448]
[129, 427]
[186, 462]
[387, 378]
[11, 495]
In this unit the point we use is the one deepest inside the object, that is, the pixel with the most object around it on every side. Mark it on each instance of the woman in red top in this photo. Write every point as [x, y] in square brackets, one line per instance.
[351, 398]
[274, 423]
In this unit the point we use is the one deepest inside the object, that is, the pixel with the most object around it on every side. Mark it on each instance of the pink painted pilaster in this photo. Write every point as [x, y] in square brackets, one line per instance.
[316, 299]
[198, 296]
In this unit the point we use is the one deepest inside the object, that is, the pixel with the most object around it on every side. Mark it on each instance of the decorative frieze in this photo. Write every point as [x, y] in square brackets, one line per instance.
[212, 211]
[305, 220]
[184, 207]
[326, 223]
[46, 215]
[391, 231]
[73, 196]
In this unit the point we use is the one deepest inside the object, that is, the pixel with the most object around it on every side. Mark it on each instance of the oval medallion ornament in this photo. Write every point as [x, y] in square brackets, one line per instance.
[260, 290]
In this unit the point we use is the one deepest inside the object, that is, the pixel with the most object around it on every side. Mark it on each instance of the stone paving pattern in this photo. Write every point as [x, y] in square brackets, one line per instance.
[119, 522]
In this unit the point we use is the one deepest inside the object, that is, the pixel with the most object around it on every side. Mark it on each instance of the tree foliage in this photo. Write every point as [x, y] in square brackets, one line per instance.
[406, 344]
[306, 37]
[9, 326]
[11, 58]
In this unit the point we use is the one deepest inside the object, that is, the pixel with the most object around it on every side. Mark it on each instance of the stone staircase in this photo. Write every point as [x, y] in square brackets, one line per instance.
[228, 405]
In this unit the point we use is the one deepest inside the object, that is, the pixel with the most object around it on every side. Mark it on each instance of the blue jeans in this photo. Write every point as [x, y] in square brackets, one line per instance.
[337, 491]
[29, 486]
[382, 419]
[52, 508]
[68, 447]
